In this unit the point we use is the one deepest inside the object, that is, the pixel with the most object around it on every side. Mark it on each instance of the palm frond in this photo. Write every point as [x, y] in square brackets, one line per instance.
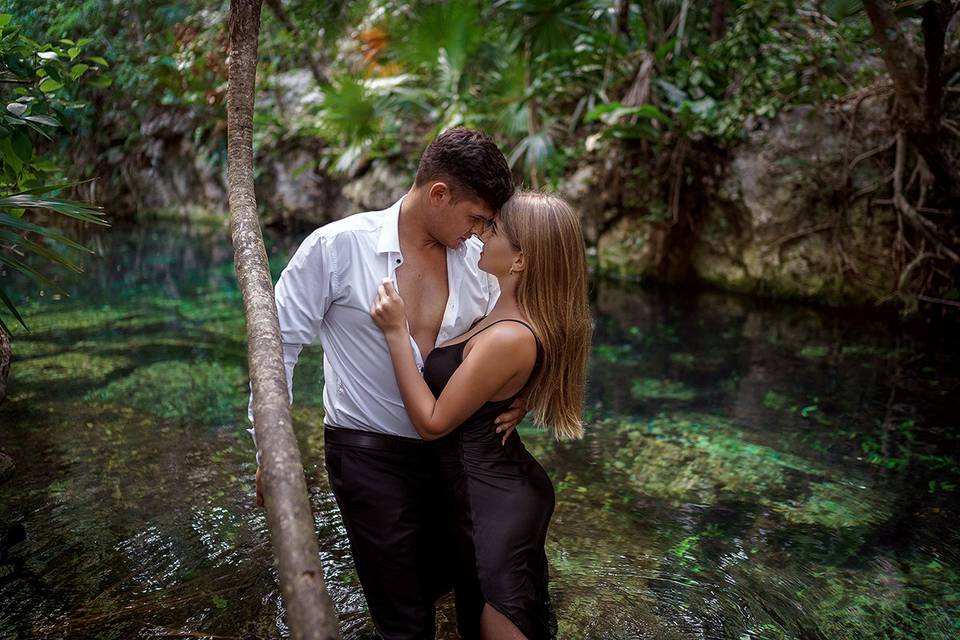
[8, 303]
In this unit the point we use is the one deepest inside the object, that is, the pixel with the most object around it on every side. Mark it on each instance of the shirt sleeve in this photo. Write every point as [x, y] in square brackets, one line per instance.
[303, 294]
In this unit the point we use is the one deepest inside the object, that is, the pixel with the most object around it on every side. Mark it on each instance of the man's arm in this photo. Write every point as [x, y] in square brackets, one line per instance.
[506, 423]
[303, 295]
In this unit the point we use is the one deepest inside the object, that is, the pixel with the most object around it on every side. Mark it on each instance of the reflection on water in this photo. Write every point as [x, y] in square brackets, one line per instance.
[751, 470]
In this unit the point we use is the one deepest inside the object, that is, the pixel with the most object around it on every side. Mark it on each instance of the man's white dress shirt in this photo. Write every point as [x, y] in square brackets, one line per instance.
[325, 293]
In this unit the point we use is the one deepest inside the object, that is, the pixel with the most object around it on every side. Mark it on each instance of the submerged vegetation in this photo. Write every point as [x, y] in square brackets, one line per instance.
[706, 498]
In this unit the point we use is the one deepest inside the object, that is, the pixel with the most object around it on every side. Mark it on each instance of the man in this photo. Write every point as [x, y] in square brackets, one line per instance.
[384, 477]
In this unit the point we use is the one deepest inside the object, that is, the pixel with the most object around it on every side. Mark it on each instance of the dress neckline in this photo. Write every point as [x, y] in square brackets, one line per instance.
[461, 343]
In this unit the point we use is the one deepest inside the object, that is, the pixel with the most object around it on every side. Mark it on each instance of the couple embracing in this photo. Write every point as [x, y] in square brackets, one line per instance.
[435, 345]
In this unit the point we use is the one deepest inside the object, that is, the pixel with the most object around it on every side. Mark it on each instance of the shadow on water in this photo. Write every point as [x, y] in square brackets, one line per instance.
[751, 469]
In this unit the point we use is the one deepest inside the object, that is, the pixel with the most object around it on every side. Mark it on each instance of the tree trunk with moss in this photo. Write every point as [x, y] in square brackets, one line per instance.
[310, 612]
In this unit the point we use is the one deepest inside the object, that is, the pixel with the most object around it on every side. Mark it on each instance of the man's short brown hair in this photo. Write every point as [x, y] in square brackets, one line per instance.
[471, 162]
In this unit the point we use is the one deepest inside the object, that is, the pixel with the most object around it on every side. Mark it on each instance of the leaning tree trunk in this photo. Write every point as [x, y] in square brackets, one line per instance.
[310, 610]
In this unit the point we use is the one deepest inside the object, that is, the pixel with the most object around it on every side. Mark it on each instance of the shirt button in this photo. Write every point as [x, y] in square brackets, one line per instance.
[398, 260]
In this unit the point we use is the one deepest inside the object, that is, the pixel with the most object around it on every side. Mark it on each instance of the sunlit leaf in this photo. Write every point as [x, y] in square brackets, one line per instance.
[47, 120]
[49, 84]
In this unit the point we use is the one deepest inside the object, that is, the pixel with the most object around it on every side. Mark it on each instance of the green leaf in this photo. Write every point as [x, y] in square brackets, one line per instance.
[98, 60]
[40, 250]
[9, 155]
[18, 223]
[22, 146]
[37, 129]
[5, 19]
[615, 110]
[50, 188]
[8, 303]
[100, 81]
[47, 120]
[77, 70]
[73, 52]
[49, 84]
[31, 273]
[72, 209]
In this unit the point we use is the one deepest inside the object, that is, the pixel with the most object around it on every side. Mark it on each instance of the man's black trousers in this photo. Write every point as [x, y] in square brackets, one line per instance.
[398, 519]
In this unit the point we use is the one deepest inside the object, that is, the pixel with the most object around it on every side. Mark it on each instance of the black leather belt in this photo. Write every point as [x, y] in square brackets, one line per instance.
[371, 440]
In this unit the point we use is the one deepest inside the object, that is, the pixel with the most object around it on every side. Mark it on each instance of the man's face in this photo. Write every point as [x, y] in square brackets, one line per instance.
[455, 223]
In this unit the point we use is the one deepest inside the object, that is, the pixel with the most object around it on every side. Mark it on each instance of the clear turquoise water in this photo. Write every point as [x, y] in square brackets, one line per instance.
[751, 469]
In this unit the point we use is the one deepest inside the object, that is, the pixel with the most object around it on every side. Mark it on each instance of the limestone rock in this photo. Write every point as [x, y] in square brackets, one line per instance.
[378, 188]
[771, 227]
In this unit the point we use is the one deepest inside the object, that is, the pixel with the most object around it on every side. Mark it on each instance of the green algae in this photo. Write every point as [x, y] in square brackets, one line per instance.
[688, 457]
[201, 392]
[615, 354]
[687, 360]
[899, 599]
[774, 400]
[696, 458]
[660, 389]
[73, 367]
[814, 351]
[836, 505]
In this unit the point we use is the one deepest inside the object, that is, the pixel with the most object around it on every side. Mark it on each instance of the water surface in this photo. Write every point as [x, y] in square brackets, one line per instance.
[751, 469]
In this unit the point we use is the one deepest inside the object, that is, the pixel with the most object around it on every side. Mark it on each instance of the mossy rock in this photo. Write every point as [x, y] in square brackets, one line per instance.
[201, 392]
[695, 457]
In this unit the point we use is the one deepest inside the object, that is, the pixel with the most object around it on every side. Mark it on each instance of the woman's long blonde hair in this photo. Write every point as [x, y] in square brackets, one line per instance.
[552, 294]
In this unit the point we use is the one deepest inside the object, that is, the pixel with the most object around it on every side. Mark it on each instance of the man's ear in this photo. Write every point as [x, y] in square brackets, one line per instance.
[439, 191]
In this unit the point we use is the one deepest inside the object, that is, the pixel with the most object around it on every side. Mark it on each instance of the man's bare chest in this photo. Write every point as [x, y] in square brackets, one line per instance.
[425, 292]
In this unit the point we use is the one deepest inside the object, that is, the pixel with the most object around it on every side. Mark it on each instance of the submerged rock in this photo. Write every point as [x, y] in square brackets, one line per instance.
[6, 467]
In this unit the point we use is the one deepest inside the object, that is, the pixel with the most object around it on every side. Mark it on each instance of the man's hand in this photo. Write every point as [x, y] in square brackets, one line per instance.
[507, 421]
[260, 502]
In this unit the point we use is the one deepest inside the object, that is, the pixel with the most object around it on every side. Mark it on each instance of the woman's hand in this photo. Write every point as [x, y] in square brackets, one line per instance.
[387, 309]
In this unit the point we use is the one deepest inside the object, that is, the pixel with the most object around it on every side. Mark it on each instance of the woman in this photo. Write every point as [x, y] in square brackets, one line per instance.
[535, 343]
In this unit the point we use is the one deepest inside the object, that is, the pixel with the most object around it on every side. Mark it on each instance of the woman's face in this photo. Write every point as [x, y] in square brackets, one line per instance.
[498, 252]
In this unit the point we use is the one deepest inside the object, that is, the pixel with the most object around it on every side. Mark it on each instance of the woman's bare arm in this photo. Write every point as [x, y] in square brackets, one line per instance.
[498, 357]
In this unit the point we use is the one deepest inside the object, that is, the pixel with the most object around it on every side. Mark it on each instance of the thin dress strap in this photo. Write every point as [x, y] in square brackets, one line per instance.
[505, 320]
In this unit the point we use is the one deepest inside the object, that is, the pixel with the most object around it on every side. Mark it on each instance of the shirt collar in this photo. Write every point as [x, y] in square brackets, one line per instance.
[389, 241]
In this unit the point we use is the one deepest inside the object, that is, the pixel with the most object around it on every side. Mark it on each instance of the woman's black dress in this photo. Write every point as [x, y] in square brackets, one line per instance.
[502, 500]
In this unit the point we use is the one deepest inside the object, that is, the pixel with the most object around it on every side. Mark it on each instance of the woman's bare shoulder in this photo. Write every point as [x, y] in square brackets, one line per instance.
[512, 338]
